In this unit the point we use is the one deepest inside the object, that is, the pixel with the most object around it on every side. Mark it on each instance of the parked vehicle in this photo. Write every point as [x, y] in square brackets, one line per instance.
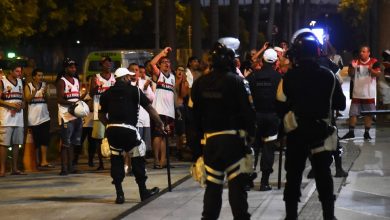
[120, 58]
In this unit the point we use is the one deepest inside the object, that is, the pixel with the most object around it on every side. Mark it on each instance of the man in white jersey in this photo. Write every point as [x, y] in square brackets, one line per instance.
[11, 117]
[99, 84]
[164, 103]
[143, 124]
[364, 72]
[38, 115]
[68, 93]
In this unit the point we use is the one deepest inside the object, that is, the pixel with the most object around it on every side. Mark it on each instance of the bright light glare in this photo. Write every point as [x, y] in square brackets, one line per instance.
[319, 33]
[11, 55]
[78, 42]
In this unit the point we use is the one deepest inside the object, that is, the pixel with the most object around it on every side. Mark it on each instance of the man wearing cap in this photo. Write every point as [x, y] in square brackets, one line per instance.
[68, 93]
[98, 85]
[119, 113]
[263, 84]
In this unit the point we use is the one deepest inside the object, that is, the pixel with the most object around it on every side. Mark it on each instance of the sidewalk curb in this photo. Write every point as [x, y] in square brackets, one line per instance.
[141, 204]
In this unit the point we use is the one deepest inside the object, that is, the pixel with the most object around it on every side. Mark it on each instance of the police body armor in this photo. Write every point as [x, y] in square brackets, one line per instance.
[222, 108]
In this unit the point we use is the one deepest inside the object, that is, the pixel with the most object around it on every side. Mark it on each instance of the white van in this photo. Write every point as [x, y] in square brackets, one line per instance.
[120, 58]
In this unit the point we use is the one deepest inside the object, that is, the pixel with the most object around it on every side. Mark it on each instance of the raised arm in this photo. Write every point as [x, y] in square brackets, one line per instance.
[155, 60]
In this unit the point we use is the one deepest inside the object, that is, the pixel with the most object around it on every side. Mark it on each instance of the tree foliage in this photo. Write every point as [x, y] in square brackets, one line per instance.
[43, 20]
[354, 11]
[17, 18]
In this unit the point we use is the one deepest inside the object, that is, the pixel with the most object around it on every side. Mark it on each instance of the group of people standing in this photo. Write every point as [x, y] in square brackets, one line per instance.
[232, 109]
[236, 114]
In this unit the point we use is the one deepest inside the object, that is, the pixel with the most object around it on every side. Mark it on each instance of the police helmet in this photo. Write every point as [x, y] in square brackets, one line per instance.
[231, 43]
[222, 57]
[304, 45]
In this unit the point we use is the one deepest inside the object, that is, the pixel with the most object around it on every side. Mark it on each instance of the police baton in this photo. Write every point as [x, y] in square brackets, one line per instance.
[375, 112]
[168, 162]
[281, 149]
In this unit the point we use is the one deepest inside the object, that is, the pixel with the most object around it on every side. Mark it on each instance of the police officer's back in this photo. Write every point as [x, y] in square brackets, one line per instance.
[308, 88]
[223, 102]
[119, 113]
[263, 84]
[224, 113]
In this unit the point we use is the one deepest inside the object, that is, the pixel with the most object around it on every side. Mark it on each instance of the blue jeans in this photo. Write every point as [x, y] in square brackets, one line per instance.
[71, 132]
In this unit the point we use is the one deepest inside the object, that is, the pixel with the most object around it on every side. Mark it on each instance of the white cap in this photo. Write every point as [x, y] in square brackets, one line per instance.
[278, 49]
[122, 72]
[270, 56]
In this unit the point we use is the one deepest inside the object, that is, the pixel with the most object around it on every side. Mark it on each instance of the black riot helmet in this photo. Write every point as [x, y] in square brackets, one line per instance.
[305, 45]
[222, 57]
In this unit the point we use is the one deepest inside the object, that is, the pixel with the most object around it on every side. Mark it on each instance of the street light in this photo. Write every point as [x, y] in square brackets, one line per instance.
[11, 55]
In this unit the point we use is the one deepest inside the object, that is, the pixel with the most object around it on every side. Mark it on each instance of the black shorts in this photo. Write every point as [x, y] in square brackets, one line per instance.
[122, 138]
[41, 134]
[168, 121]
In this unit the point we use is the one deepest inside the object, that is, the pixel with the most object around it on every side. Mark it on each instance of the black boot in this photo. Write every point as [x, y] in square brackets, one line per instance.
[120, 197]
[339, 169]
[291, 210]
[328, 210]
[264, 183]
[310, 175]
[147, 193]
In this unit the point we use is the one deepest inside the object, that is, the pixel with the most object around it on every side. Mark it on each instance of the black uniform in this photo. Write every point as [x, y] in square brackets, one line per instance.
[326, 62]
[263, 85]
[222, 103]
[308, 89]
[121, 103]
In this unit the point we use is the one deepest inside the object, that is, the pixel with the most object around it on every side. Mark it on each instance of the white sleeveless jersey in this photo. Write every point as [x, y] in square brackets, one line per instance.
[37, 108]
[72, 94]
[143, 115]
[164, 101]
[103, 86]
[364, 86]
[11, 93]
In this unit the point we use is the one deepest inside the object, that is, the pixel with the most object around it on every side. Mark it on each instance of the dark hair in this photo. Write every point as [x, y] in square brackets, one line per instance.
[36, 71]
[15, 65]
[146, 63]
[133, 64]
[141, 66]
[192, 59]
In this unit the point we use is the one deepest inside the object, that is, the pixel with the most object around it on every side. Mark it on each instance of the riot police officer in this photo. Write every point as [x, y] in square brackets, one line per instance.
[119, 113]
[309, 90]
[340, 172]
[225, 115]
[263, 84]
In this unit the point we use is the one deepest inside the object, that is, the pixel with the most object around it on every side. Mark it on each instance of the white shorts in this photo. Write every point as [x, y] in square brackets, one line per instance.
[11, 136]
